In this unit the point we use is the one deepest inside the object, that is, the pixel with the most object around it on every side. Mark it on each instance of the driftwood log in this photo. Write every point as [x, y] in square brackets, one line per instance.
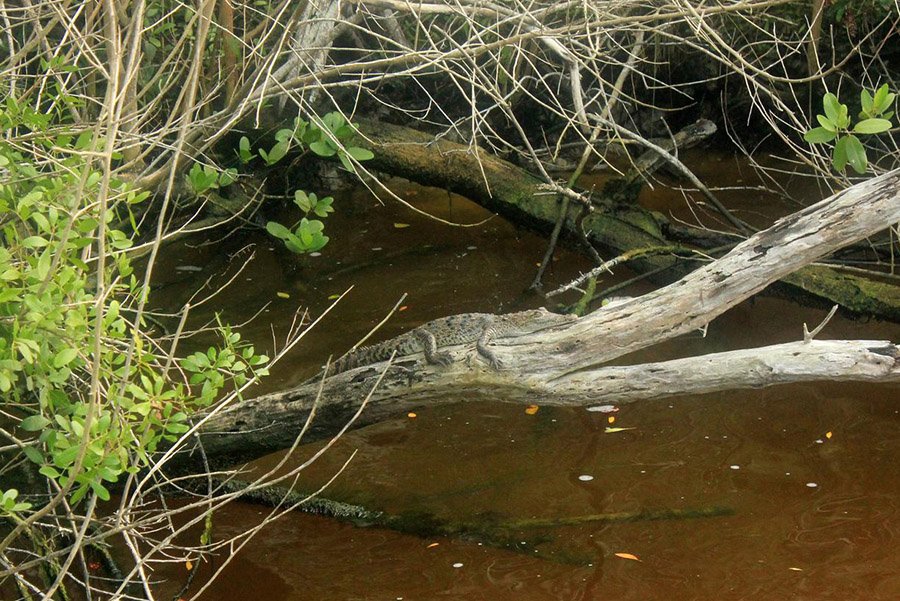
[566, 365]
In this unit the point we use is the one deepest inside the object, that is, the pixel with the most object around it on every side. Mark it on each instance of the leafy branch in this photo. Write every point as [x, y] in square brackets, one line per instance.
[834, 125]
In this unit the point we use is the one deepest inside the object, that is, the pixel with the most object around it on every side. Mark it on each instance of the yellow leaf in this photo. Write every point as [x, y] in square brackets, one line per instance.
[531, 409]
[411, 415]
[401, 225]
[432, 545]
[828, 434]
[796, 569]
[614, 430]
[611, 419]
[282, 295]
[630, 556]
[334, 296]
[188, 565]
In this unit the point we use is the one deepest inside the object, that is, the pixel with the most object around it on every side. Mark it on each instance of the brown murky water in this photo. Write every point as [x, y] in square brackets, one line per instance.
[808, 516]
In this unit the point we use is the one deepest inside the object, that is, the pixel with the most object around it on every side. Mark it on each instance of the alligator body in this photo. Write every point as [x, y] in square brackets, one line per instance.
[466, 328]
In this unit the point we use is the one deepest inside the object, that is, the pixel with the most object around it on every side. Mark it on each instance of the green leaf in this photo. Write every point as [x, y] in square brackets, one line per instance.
[832, 107]
[35, 242]
[33, 455]
[882, 99]
[334, 120]
[244, 150]
[284, 135]
[278, 230]
[856, 154]
[360, 154]
[839, 155]
[277, 153]
[79, 494]
[84, 140]
[64, 357]
[100, 490]
[322, 148]
[867, 103]
[227, 177]
[872, 126]
[66, 457]
[49, 472]
[302, 200]
[33, 423]
[826, 124]
[323, 207]
[819, 135]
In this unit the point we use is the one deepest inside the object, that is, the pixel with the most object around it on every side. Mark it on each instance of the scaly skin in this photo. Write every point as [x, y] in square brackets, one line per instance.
[466, 328]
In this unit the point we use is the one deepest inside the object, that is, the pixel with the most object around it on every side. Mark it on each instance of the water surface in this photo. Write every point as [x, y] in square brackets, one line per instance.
[807, 473]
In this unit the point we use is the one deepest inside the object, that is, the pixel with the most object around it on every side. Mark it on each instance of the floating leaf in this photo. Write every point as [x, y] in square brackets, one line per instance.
[188, 565]
[334, 296]
[603, 409]
[531, 409]
[432, 545]
[401, 225]
[828, 434]
[403, 308]
[796, 569]
[630, 556]
[614, 430]
[411, 415]
[282, 295]
[611, 419]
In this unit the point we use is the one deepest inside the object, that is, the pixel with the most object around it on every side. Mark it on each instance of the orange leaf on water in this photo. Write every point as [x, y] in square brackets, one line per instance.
[411, 415]
[828, 434]
[432, 545]
[630, 556]
[611, 419]
[403, 308]
[188, 565]
[531, 409]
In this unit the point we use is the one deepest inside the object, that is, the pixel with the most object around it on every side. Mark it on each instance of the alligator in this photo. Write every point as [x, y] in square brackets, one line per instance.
[465, 328]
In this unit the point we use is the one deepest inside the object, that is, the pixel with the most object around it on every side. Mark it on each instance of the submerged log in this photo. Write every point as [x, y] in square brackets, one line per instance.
[565, 365]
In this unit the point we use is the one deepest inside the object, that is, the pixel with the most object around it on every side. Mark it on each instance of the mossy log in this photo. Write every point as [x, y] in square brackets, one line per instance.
[518, 195]
[489, 529]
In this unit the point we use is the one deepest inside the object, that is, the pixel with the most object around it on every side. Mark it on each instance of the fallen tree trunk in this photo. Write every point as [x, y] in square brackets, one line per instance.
[564, 365]
[515, 193]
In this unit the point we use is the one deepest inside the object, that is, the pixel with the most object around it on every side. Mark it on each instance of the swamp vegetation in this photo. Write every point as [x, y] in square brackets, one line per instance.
[204, 203]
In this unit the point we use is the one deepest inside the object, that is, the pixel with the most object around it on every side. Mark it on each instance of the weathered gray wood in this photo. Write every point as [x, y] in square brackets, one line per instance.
[564, 365]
